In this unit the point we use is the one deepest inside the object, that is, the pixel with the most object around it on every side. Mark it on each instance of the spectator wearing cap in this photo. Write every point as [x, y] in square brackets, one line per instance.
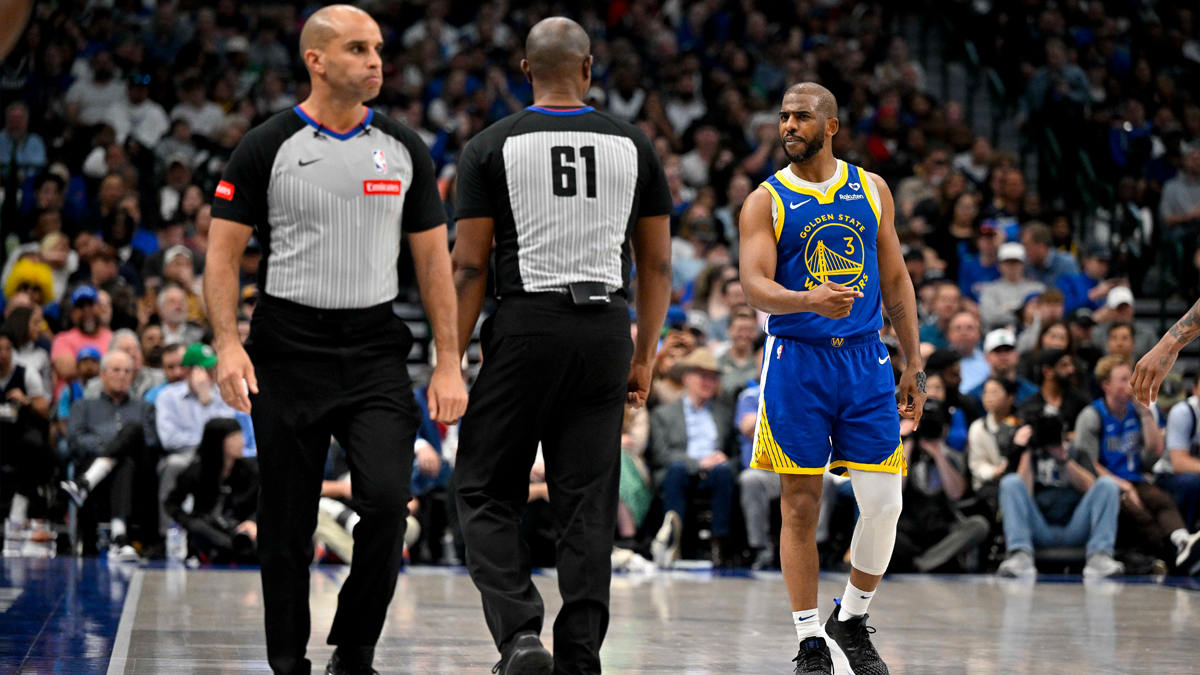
[1118, 310]
[148, 121]
[112, 432]
[964, 337]
[981, 266]
[1000, 350]
[1059, 393]
[20, 146]
[183, 409]
[1044, 262]
[1119, 436]
[87, 331]
[1180, 213]
[144, 379]
[173, 313]
[947, 301]
[1178, 472]
[1090, 286]
[202, 115]
[999, 300]
[691, 446]
[87, 367]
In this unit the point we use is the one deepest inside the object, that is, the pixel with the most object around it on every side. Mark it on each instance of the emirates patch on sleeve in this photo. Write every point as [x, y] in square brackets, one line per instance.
[381, 187]
[225, 190]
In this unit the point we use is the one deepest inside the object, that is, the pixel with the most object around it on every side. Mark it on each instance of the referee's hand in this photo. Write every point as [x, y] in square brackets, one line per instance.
[234, 374]
[447, 394]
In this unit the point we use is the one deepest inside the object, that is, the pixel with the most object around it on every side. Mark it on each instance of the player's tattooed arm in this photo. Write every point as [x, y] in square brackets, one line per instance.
[896, 311]
[1157, 362]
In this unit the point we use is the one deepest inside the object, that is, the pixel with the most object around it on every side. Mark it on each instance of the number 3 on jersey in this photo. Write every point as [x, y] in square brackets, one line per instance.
[562, 160]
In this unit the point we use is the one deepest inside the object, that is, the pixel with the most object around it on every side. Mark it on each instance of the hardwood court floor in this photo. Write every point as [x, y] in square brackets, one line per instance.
[209, 621]
[84, 616]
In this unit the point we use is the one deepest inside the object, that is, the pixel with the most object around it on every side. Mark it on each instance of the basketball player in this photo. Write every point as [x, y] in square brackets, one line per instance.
[1157, 362]
[820, 254]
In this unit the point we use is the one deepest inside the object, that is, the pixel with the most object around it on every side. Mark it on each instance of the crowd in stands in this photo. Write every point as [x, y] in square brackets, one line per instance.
[119, 119]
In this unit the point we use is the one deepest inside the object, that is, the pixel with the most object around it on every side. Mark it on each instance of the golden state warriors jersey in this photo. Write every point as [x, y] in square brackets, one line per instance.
[827, 236]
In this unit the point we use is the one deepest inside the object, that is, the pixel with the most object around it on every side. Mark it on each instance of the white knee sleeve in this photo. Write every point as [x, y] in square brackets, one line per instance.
[879, 503]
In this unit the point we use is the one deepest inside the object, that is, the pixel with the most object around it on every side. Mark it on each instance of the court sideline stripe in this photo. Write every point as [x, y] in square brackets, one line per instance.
[120, 652]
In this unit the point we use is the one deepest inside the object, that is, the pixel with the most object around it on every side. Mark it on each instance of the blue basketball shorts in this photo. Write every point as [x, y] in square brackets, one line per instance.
[827, 401]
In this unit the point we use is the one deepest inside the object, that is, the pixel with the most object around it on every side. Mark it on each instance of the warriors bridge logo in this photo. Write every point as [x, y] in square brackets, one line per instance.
[834, 252]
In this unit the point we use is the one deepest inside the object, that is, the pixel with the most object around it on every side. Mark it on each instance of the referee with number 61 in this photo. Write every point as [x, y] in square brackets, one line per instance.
[331, 188]
[566, 191]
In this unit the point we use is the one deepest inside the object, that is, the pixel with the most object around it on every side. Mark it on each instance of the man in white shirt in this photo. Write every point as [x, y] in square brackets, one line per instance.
[202, 115]
[148, 120]
[99, 99]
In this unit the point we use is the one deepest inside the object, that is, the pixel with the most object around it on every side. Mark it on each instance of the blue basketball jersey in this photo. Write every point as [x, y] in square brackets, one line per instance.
[828, 236]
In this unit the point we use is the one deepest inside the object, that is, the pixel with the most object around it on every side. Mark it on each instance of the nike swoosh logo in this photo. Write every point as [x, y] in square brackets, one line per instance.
[881, 362]
[865, 597]
[793, 205]
[304, 163]
[806, 618]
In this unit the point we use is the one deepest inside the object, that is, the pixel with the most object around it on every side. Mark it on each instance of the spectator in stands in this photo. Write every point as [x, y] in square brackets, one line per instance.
[113, 435]
[24, 327]
[947, 301]
[999, 300]
[691, 446]
[1044, 263]
[1178, 472]
[1059, 393]
[223, 487]
[952, 240]
[173, 311]
[179, 270]
[931, 532]
[172, 370]
[148, 121]
[981, 266]
[183, 408]
[88, 331]
[1115, 432]
[1053, 335]
[964, 337]
[1089, 287]
[999, 348]
[1180, 213]
[202, 115]
[1052, 500]
[758, 487]
[1120, 340]
[24, 410]
[144, 379]
[990, 438]
[100, 98]
[738, 365]
[20, 148]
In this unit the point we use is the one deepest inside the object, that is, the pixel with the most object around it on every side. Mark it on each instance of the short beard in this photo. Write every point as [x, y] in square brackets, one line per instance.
[811, 147]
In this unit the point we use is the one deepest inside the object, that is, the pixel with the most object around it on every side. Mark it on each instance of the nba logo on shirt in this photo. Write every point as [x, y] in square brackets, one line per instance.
[380, 162]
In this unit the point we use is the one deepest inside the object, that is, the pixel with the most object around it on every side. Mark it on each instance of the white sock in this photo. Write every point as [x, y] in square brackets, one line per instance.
[1179, 538]
[117, 527]
[808, 624]
[98, 471]
[19, 508]
[854, 602]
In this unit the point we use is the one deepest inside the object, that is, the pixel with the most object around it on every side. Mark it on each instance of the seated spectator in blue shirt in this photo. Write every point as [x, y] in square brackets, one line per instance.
[964, 337]
[980, 266]
[1089, 287]
[173, 370]
[691, 444]
[1043, 262]
[1115, 432]
[947, 301]
[999, 349]
[17, 143]
[758, 487]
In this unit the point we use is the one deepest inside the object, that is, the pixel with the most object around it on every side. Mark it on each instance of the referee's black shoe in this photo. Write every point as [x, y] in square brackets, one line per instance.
[814, 658]
[340, 666]
[525, 655]
[853, 637]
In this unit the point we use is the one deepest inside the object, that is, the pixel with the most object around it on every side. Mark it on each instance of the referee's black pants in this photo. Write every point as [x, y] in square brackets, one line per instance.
[556, 374]
[323, 373]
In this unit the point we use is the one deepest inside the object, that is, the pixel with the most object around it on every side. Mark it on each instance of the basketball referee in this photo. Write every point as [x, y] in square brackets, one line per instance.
[565, 190]
[329, 187]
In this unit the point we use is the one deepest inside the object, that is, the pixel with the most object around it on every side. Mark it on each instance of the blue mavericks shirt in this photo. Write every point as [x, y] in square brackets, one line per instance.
[1120, 442]
[828, 236]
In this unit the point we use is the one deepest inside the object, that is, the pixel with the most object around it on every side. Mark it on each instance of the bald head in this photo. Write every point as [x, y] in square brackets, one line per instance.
[556, 47]
[326, 24]
[826, 104]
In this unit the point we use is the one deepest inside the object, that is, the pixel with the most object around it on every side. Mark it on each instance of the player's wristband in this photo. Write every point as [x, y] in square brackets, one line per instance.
[921, 381]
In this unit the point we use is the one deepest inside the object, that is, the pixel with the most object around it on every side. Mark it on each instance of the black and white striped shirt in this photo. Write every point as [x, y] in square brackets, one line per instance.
[564, 187]
[329, 208]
